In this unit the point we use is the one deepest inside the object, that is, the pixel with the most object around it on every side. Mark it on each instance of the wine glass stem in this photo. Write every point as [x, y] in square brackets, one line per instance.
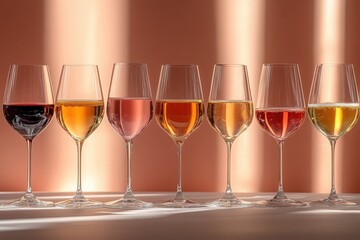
[79, 145]
[179, 193]
[228, 168]
[29, 149]
[280, 193]
[128, 192]
[333, 194]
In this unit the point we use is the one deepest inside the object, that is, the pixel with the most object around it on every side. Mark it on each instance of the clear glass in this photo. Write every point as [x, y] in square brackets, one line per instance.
[179, 112]
[79, 110]
[280, 111]
[129, 111]
[28, 107]
[230, 112]
[333, 109]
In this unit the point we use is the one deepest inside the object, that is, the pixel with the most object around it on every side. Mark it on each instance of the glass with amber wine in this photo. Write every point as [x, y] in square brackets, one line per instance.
[333, 109]
[179, 112]
[230, 112]
[79, 110]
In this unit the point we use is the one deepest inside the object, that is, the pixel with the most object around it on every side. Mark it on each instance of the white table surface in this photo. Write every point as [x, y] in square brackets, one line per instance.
[169, 223]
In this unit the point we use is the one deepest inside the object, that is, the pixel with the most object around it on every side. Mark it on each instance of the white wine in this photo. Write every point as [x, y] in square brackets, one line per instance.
[230, 118]
[334, 119]
[79, 118]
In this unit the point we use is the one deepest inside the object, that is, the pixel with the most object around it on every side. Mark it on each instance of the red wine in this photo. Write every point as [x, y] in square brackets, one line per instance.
[28, 120]
[129, 115]
[280, 123]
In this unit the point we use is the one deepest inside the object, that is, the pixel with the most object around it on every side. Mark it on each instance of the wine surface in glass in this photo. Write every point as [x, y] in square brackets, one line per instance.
[79, 118]
[28, 119]
[334, 119]
[179, 118]
[129, 115]
[230, 118]
[280, 122]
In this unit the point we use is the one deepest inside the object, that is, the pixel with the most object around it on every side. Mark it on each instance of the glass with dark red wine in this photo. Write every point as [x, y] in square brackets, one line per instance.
[28, 107]
[280, 111]
[129, 111]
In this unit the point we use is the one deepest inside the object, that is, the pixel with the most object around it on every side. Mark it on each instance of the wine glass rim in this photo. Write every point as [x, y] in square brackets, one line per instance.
[130, 63]
[230, 65]
[29, 65]
[80, 65]
[280, 64]
[179, 65]
[334, 64]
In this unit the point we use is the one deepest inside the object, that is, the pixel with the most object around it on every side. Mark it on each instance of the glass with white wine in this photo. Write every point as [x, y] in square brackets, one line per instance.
[230, 112]
[333, 109]
[79, 110]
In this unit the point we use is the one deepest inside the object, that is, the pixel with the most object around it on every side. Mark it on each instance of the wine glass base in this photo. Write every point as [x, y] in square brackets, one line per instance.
[29, 200]
[79, 202]
[230, 203]
[183, 203]
[338, 202]
[128, 203]
[286, 202]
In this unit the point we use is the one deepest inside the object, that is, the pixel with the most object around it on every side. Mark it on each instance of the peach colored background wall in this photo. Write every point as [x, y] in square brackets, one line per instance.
[203, 32]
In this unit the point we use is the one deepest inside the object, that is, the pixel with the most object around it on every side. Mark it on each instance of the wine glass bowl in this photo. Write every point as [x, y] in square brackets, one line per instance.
[280, 111]
[179, 112]
[333, 109]
[79, 110]
[271, 121]
[129, 111]
[28, 107]
[179, 118]
[230, 112]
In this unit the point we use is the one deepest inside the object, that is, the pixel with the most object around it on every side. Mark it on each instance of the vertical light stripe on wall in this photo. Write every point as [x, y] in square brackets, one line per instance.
[86, 32]
[329, 46]
[240, 30]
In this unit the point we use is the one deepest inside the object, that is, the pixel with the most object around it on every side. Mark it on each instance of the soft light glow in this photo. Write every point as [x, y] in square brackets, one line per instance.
[42, 223]
[240, 30]
[86, 32]
[328, 211]
[329, 46]
[249, 32]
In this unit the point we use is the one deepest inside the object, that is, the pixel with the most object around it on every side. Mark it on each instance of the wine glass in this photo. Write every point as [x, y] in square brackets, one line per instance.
[179, 112]
[79, 110]
[333, 109]
[230, 112]
[280, 111]
[28, 107]
[129, 111]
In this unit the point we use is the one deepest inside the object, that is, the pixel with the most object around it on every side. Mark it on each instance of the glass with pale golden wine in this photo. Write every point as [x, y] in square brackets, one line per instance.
[333, 109]
[79, 110]
[280, 111]
[129, 111]
[179, 112]
[230, 112]
[28, 107]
